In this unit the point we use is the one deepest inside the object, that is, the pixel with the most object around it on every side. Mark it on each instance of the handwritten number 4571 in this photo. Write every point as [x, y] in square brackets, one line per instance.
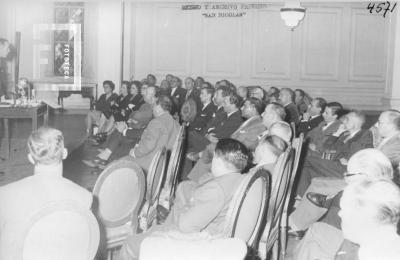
[384, 6]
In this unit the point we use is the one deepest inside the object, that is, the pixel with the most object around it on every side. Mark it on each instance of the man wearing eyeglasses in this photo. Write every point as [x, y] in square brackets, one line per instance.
[367, 163]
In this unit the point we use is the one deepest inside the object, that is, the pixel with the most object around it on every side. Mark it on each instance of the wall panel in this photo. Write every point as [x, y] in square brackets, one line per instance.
[321, 44]
[272, 45]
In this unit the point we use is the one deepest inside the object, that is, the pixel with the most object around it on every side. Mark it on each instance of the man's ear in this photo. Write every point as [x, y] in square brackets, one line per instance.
[30, 158]
[65, 153]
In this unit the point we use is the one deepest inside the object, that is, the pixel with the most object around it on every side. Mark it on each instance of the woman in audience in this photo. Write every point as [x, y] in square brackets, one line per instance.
[370, 213]
[201, 206]
[119, 107]
[136, 99]
[103, 107]
[119, 113]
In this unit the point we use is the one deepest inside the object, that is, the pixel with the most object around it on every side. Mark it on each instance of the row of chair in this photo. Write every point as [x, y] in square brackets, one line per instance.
[126, 201]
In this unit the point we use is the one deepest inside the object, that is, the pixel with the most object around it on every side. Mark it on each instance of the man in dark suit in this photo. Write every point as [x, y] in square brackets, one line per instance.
[349, 139]
[205, 113]
[286, 98]
[178, 95]
[222, 130]
[192, 93]
[326, 128]
[313, 117]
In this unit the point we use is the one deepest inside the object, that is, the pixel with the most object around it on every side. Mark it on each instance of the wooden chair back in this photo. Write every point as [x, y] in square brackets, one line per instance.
[249, 207]
[62, 231]
[119, 193]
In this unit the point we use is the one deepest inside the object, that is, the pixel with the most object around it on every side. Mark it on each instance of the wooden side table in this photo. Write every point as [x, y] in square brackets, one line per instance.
[34, 113]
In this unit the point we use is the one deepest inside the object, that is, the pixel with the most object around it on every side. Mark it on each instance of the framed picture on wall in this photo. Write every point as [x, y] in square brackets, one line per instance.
[66, 13]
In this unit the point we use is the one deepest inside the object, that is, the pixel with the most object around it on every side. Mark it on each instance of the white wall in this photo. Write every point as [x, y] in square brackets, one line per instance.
[340, 51]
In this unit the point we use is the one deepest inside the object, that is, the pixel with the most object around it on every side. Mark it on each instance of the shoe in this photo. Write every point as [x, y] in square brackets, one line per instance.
[193, 156]
[96, 163]
[299, 234]
[317, 199]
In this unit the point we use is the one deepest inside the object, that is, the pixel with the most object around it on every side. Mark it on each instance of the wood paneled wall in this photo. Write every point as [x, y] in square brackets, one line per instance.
[340, 51]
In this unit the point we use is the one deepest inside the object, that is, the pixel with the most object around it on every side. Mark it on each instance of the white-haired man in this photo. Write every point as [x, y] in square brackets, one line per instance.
[370, 163]
[20, 200]
[370, 218]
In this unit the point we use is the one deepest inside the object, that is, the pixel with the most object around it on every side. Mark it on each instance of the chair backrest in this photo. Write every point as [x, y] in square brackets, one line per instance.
[61, 231]
[294, 132]
[174, 164]
[280, 187]
[297, 146]
[249, 207]
[119, 193]
[156, 175]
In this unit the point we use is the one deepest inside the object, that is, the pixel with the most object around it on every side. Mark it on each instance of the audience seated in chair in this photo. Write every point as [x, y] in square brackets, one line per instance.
[178, 95]
[389, 128]
[20, 200]
[370, 218]
[317, 136]
[300, 101]
[129, 132]
[160, 132]
[348, 139]
[192, 92]
[267, 153]
[273, 112]
[369, 163]
[286, 98]
[103, 108]
[201, 206]
[313, 116]
[206, 111]
[232, 121]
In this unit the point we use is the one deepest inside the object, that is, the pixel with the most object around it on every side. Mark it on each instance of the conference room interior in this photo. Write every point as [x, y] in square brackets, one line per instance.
[330, 59]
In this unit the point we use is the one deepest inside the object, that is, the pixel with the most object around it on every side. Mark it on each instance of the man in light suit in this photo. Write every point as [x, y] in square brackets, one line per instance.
[20, 200]
[349, 139]
[201, 206]
[247, 134]
[389, 129]
[161, 132]
[389, 132]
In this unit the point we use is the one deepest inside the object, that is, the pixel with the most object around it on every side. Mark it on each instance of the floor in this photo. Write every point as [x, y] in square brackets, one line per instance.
[72, 126]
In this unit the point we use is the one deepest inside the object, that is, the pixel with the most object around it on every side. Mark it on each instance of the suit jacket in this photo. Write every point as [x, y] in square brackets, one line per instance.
[142, 116]
[361, 140]
[305, 126]
[229, 125]
[202, 118]
[203, 206]
[391, 148]
[216, 121]
[248, 132]
[195, 95]
[292, 113]
[160, 132]
[178, 99]
[318, 135]
[20, 200]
